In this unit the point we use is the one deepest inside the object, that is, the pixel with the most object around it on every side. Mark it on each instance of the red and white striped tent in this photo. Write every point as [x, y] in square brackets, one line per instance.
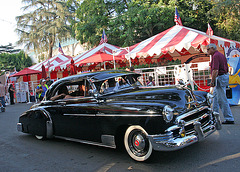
[51, 63]
[175, 42]
[105, 47]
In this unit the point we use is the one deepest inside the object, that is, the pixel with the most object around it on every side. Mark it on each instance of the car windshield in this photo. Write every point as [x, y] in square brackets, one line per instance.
[118, 83]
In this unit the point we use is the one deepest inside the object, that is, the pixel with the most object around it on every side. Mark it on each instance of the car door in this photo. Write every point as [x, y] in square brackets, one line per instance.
[76, 118]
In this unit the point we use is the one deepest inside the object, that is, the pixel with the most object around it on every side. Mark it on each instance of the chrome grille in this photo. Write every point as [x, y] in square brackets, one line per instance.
[202, 115]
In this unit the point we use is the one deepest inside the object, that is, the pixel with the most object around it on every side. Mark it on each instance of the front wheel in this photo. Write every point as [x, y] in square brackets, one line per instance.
[137, 144]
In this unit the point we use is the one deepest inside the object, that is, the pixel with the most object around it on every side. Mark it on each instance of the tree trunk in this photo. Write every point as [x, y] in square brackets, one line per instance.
[51, 48]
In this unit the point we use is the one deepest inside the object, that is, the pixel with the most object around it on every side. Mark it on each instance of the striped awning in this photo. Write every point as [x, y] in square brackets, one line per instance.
[176, 41]
[51, 63]
[105, 48]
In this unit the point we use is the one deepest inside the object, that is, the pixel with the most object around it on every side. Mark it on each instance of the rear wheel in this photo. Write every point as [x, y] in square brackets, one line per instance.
[137, 144]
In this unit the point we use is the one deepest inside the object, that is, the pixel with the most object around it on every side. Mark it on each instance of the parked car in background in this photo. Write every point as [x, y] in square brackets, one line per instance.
[112, 108]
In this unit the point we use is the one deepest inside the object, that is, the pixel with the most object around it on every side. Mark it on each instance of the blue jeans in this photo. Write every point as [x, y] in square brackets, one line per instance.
[220, 98]
[2, 101]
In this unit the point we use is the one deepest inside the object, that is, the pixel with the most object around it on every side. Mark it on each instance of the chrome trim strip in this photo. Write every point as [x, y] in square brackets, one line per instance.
[118, 115]
[84, 141]
[68, 114]
[174, 127]
[190, 113]
[49, 124]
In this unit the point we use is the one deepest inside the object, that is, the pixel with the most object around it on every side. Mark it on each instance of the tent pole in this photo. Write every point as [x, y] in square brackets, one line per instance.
[114, 59]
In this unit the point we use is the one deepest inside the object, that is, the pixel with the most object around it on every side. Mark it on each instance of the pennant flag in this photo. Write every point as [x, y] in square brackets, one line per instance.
[60, 49]
[209, 30]
[104, 38]
[177, 18]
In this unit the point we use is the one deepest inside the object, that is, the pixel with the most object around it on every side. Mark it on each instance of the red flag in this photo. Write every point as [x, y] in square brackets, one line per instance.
[60, 49]
[209, 30]
[177, 18]
[104, 38]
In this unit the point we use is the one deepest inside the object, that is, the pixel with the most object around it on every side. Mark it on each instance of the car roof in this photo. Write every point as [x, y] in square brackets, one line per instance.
[111, 74]
[97, 76]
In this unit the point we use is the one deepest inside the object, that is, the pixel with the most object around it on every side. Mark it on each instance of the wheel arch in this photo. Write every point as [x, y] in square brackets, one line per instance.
[31, 125]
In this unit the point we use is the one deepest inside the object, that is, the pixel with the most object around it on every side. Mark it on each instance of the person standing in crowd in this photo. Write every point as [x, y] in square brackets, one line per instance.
[150, 82]
[11, 94]
[2, 94]
[220, 80]
[41, 89]
[49, 81]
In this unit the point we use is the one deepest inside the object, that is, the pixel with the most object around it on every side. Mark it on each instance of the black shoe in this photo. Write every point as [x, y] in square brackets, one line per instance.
[228, 122]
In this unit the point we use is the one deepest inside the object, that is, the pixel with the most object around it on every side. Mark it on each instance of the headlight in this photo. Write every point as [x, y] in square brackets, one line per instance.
[209, 99]
[167, 113]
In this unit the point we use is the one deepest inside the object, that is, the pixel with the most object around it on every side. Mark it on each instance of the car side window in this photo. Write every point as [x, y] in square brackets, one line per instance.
[72, 91]
[121, 83]
[107, 86]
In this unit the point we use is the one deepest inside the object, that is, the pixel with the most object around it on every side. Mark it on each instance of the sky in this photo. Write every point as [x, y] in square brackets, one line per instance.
[9, 9]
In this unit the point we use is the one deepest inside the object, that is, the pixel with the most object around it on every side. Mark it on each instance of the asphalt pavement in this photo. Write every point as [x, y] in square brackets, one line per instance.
[20, 152]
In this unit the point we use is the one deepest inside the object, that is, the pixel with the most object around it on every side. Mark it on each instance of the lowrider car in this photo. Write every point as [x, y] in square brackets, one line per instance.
[112, 108]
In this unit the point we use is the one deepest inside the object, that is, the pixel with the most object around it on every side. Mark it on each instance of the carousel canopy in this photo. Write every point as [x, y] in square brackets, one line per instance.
[105, 48]
[51, 63]
[176, 41]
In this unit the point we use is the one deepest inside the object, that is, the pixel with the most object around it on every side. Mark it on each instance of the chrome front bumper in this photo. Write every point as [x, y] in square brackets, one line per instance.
[167, 142]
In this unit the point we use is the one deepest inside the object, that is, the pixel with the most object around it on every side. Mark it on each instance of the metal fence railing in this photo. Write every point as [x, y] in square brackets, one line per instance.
[169, 75]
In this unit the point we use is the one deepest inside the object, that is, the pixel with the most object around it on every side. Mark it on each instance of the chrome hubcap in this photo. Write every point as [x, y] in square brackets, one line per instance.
[139, 142]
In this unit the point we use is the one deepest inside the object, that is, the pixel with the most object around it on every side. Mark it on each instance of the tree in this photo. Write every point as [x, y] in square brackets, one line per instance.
[8, 49]
[194, 13]
[11, 61]
[141, 20]
[127, 22]
[44, 23]
[92, 17]
[226, 13]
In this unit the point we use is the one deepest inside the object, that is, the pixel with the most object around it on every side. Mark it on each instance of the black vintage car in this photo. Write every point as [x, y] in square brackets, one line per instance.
[112, 108]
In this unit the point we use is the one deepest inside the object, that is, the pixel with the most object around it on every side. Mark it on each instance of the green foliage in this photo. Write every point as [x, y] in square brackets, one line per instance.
[10, 61]
[92, 18]
[141, 20]
[194, 13]
[226, 13]
[128, 22]
[44, 23]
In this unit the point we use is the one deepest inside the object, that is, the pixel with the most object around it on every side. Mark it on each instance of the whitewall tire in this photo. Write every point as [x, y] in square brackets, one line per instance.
[39, 137]
[137, 144]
